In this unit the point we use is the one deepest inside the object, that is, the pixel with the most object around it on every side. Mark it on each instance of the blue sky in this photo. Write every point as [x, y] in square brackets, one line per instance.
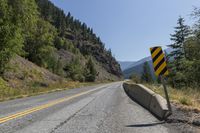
[130, 27]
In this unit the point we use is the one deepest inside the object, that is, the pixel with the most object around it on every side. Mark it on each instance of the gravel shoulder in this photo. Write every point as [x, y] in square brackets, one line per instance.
[183, 120]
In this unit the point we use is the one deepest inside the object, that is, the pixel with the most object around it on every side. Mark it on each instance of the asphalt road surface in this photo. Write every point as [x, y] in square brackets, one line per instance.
[95, 109]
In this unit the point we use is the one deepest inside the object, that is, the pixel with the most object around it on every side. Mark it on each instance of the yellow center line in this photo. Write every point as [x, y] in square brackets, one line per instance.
[41, 107]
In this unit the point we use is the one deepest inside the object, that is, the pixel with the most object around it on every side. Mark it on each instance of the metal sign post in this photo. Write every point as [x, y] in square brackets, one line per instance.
[166, 95]
[160, 67]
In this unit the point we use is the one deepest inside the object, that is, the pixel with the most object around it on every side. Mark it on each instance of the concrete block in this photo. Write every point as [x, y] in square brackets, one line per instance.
[158, 106]
[153, 102]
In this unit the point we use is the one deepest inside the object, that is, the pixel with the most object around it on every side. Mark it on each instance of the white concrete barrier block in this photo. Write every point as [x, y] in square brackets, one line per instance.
[147, 98]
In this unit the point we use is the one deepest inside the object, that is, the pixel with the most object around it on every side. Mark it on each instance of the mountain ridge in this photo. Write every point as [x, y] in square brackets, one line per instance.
[125, 64]
[137, 67]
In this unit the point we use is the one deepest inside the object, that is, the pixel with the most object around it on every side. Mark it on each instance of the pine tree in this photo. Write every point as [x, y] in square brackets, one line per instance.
[59, 67]
[179, 37]
[146, 75]
[25, 16]
[178, 56]
[74, 70]
[90, 71]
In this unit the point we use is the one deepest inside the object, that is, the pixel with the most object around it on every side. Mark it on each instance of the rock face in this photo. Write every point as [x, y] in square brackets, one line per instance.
[102, 56]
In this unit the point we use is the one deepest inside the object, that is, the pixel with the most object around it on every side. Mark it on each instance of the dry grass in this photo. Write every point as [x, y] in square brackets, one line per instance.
[188, 99]
[24, 78]
[8, 93]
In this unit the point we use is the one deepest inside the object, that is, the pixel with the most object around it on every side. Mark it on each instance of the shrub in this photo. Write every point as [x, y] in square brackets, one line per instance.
[185, 101]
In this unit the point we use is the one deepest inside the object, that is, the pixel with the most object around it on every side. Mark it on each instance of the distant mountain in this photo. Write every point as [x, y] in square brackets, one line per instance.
[125, 64]
[137, 67]
[142, 61]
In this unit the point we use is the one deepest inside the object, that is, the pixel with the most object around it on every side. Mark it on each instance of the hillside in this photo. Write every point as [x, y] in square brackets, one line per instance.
[83, 41]
[23, 74]
[43, 49]
[125, 64]
[53, 41]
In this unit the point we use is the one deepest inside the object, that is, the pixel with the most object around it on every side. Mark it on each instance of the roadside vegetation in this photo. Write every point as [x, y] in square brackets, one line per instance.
[187, 99]
[9, 93]
[183, 65]
[50, 50]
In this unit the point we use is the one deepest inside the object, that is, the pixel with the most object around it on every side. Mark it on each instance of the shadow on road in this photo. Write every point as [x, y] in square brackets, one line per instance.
[146, 125]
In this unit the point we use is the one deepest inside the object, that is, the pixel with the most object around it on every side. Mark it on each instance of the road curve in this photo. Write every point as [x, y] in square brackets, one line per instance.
[96, 109]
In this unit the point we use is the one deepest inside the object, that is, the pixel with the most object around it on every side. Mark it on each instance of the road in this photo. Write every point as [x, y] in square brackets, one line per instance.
[95, 109]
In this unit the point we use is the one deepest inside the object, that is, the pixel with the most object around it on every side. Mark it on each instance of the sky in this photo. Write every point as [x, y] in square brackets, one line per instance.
[131, 27]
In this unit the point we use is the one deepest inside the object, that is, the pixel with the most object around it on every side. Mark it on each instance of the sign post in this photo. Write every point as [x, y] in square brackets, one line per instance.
[160, 67]
[166, 95]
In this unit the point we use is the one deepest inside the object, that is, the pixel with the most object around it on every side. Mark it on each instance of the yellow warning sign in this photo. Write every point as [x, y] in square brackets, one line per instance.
[159, 62]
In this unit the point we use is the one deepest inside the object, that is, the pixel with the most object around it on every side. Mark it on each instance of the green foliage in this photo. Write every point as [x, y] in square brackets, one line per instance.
[10, 36]
[77, 37]
[185, 101]
[41, 45]
[185, 68]
[78, 72]
[90, 72]
[146, 75]
[6, 91]
[25, 15]
[36, 29]
[59, 67]
[59, 42]
[179, 37]
[74, 70]
[178, 55]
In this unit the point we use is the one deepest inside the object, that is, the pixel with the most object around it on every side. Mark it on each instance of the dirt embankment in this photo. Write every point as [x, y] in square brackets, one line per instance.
[23, 73]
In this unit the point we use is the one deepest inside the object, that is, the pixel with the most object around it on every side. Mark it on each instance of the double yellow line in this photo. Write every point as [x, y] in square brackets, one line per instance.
[41, 107]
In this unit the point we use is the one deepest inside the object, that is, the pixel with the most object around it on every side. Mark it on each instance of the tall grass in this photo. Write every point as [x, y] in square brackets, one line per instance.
[7, 93]
[187, 96]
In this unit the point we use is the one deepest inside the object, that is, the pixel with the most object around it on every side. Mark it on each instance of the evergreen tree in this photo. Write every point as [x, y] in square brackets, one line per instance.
[74, 70]
[146, 75]
[59, 67]
[25, 16]
[90, 71]
[181, 33]
[41, 45]
[177, 57]
[11, 41]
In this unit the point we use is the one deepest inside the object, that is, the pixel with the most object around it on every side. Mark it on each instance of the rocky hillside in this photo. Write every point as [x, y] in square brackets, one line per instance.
[42, 49]
[76, 39]
[51, 40]
[24, 74]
